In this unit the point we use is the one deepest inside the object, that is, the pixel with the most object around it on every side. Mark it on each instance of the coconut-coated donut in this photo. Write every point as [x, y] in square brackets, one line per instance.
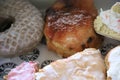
[26, 30]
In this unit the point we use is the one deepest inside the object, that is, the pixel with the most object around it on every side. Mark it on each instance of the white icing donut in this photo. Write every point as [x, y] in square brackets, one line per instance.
[25, 32]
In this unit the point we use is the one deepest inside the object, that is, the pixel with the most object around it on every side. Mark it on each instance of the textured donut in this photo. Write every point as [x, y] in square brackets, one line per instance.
[25, 32]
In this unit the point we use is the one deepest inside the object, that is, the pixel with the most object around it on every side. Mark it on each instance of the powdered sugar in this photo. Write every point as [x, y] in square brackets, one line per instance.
[63, 20]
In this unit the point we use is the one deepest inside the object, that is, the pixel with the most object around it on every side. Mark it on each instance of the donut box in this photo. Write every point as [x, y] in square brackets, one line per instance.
[41, 52]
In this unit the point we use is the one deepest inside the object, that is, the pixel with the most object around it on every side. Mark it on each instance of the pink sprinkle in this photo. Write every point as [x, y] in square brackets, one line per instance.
[106, 16]
[119, 20]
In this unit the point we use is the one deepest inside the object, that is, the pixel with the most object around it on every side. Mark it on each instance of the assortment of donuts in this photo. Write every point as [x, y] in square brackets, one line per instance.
[73, 30]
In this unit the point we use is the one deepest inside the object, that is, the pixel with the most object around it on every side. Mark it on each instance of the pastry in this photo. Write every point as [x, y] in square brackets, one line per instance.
[113, 64]
[21, 27]
[69, 27]
[25, 71]
[108, 22]
[86, 65]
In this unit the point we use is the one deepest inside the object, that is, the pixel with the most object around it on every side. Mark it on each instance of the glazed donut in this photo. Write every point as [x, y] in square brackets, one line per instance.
[25, 31]
[69, 29]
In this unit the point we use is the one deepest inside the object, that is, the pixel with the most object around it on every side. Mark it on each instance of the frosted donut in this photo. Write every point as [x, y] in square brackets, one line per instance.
[25, 32]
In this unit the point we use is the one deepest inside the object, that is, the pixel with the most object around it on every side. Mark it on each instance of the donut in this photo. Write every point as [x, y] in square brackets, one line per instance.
[107, 22]
[25, 30]
[69, 29]
[85, 65]
[113, 63]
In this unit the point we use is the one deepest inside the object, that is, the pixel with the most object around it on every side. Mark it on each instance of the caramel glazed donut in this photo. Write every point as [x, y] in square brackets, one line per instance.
[25, 30]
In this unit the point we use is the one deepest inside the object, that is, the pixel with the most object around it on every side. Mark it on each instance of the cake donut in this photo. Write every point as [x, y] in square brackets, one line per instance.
[25, 27]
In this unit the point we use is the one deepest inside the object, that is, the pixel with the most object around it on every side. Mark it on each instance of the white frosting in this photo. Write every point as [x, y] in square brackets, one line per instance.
[39, 76]
[51, 72]
[114, 61]
[111, 19]
[86, 65]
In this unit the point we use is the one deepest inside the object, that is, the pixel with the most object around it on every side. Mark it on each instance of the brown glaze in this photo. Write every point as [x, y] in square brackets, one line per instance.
[63, 21]
[70, 29]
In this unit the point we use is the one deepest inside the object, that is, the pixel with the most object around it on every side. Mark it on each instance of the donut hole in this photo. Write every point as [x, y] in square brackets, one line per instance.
[5, 23]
